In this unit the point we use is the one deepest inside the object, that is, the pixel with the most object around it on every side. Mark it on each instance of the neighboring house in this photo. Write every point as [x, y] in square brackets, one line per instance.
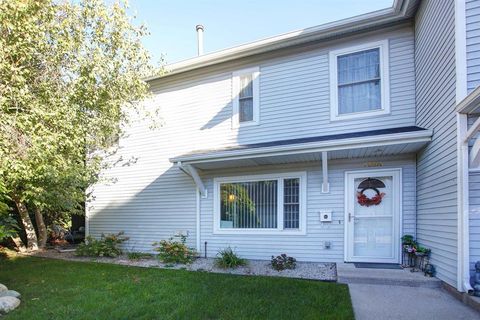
[267, 147]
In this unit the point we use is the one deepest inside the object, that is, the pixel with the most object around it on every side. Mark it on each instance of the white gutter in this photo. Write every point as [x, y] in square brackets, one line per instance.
[397, 12]
[463, 263]
[197, 221]
[329, 145]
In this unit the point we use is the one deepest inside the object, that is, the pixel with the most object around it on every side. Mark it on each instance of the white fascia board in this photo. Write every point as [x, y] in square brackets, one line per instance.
[397, 12]
[330, 145]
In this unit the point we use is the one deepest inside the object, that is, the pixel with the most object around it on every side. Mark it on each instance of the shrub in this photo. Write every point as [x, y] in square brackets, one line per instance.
[283, 262]
[174, 251]
[227, 258]
[138, 255]
[106, 246]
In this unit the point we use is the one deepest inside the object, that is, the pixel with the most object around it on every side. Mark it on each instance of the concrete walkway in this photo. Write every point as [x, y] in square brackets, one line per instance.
[404, 302]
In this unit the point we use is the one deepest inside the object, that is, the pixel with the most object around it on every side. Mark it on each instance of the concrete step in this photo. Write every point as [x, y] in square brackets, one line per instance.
[347, 273]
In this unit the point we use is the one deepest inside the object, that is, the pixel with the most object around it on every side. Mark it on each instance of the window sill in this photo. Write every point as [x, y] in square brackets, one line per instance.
[245, 124]
[278, 232]
[359, 115]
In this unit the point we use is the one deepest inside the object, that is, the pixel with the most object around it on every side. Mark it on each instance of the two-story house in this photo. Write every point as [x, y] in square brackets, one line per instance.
[327, 144]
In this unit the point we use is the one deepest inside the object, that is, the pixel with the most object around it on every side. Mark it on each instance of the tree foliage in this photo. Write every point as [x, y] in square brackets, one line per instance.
[70, 72]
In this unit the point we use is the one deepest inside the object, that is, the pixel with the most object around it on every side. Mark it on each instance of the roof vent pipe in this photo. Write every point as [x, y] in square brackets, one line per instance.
[200, 29]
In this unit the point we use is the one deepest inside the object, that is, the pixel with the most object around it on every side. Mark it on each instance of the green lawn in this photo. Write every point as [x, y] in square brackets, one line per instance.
[54, 289]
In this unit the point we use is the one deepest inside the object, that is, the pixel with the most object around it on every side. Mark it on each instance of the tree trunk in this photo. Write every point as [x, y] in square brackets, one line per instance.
[18, 242]
[42, 229]
[32, 241]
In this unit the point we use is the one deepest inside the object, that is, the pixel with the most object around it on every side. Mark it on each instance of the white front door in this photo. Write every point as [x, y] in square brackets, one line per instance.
[372, 227]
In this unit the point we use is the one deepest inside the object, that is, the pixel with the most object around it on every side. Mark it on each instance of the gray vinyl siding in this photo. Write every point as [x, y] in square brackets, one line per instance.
[151, 199]
[473, 43]
[309, 247]
[436, 164]
[474, 208]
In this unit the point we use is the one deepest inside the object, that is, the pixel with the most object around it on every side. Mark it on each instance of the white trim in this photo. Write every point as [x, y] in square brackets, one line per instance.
[463, 239]
[462, 100]
[370, 20]
[325, 183]
[460, 51]
[384, 80]
[397, 175]
[274, 176]
[330, 145]
[193, 173]
[197, 220]
[255, 72]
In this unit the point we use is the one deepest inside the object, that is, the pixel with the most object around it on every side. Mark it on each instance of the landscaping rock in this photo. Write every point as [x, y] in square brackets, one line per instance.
[3, 288]
[7, 304]
[10, 293]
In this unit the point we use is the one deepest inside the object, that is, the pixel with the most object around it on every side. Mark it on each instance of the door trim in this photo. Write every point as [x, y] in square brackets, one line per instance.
[396, 173]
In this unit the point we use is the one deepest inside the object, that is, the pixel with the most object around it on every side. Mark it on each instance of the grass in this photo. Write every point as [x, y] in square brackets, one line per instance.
[55, 289]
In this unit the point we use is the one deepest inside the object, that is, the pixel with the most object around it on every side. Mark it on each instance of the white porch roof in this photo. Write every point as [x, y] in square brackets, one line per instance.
[384, 142]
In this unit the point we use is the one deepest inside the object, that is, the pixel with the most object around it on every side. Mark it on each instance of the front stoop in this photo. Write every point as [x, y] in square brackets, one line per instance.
[347, 273]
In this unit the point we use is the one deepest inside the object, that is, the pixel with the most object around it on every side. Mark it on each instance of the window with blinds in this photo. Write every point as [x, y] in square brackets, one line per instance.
[260, 204]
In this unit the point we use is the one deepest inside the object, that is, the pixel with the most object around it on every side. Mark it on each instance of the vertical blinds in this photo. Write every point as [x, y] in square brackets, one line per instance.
[250, 205]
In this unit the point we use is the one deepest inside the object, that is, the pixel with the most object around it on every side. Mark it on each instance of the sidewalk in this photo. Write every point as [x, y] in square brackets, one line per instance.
[404, 302]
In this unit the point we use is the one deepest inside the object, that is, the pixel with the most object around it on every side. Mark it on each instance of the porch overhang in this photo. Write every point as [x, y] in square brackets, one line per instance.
[373, 143]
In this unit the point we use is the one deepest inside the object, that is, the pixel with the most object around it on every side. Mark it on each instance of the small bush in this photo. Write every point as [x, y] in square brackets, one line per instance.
[174, 251]
[106, 246]
[227, 258]
[138, 255]
[283, 262]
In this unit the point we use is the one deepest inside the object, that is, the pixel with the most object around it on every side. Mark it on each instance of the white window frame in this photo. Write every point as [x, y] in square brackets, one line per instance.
[252, 178]
[384, 80]
[255, 72]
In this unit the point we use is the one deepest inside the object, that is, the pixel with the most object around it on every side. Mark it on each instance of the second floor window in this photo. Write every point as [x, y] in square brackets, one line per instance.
[245, 97]
[359, 81]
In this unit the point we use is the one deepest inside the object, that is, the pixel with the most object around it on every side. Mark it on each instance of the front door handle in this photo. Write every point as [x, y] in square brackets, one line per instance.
[350, 216]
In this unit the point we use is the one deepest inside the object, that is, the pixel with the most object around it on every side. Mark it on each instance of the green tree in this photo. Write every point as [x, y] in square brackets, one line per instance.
[70, 73]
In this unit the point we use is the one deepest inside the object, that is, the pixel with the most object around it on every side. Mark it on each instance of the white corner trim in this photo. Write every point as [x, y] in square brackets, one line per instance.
[460, 51]
[274, 176]
[255, 72]
[383, 46]
[463, 238]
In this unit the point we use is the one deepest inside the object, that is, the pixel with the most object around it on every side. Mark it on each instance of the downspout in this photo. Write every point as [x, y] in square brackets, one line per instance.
[463, 205]
[197, 219]
[463, 232]
[200, 192]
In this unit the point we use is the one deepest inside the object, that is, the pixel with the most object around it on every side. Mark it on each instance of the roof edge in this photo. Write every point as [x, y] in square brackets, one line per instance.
[423, 135]
[471, 103]
[398, 11]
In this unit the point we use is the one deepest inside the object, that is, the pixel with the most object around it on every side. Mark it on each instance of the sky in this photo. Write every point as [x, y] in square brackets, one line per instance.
[230, 23]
